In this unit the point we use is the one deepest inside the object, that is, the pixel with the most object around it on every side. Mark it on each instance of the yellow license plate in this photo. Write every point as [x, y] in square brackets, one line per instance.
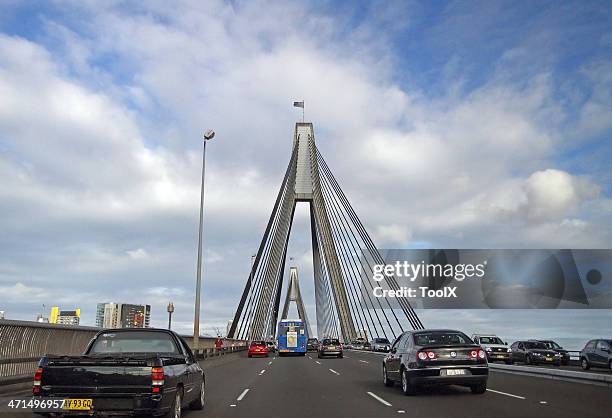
[549, 359]
[500, 356]
[78, 404]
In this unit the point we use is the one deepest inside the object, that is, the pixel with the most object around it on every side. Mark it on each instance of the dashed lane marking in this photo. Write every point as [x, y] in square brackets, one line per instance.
[262, 372]
[507, 394]
[379, 399]
[242, 395]
[335, 372]
[363, 361]
[318, 362]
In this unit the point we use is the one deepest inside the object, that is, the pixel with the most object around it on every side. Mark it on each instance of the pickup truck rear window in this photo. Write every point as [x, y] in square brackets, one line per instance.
[134, 342]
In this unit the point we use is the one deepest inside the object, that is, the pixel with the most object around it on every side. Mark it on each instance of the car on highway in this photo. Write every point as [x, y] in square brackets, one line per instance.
[534, 352]
[597, 353]
[551, 345]
[496, 349]
[435, 357]
[380, 344]
[330, 347]
[258, 348]
[271, 346]
[312, 344]
[125, 371]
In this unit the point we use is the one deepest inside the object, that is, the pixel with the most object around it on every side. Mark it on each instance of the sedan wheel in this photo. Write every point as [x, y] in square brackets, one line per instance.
[585, 364]
[386, 380]
[407, 388]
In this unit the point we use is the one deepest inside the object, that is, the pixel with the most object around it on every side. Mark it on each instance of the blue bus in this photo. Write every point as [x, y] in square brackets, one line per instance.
[292, 337]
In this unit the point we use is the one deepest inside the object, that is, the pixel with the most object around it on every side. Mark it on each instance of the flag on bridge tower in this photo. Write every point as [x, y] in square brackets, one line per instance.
[300, 104]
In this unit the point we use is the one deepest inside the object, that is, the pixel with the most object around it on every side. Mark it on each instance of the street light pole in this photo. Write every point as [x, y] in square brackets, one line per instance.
[170, 309]
[208, 135]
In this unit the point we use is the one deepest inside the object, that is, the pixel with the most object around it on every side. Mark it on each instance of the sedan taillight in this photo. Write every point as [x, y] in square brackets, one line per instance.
[477, 353]
[427, 355]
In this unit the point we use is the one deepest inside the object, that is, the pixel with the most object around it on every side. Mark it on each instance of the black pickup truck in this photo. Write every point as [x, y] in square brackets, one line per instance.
[148, 372]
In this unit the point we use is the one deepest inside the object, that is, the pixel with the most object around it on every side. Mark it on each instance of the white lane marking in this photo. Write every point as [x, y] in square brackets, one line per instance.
[335, 372]
[269, 363]
[310, 357]
[318, 362]
[242, 395]
[363, 361]
[232, 405]
[507, 394]
[401, 411]
[379, 399]
[262, 372]
[543, 402]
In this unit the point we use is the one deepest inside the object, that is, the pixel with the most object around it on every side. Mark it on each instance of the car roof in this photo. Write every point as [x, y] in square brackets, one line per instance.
[434, 330]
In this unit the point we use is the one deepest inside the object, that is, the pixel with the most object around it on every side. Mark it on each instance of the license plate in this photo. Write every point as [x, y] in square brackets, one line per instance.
[78, 404]
[549, 359]
[500, 356]
[452, 372]
[331, 347]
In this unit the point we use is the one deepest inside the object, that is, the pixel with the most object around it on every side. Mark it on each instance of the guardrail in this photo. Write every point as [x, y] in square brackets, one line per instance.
[23, 343]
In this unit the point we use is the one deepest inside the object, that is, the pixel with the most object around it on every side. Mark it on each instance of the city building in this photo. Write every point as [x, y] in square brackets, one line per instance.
[122, 315]
[65, 317]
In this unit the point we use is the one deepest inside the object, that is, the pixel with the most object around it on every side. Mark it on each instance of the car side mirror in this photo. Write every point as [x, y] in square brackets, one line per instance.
[505, 342]
[393, 350]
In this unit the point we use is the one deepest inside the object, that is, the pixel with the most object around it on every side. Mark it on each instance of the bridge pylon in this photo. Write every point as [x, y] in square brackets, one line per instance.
[340, 270]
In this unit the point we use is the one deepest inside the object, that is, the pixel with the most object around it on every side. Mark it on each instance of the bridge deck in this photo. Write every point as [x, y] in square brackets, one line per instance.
[308, 386]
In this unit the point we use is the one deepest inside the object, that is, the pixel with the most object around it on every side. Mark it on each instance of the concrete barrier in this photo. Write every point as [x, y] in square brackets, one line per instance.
[601, 379]
[23, 343]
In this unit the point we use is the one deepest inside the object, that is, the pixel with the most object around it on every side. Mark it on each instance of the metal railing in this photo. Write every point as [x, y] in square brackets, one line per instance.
[23, 343]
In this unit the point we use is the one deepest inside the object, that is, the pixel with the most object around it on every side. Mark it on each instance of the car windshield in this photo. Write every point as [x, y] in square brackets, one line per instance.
[134, 342]
[535, 345]
[491, 340]
[441, 338]
[551, 344]
[312, 340]
[257, 343]
[331, 341]
[381, 340]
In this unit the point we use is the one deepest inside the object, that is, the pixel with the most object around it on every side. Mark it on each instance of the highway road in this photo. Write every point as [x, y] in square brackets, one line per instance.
[238, 386]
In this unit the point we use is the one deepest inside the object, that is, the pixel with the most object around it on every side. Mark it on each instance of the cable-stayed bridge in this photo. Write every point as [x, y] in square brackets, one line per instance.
[341, 268]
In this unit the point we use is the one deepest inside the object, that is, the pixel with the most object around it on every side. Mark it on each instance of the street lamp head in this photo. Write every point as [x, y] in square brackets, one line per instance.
[170, 307]
[209, 134]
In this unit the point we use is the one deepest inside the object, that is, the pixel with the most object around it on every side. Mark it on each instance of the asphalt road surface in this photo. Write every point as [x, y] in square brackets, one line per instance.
[238, 386]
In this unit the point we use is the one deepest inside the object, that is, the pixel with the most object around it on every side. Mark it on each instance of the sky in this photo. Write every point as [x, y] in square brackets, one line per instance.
[448, 125]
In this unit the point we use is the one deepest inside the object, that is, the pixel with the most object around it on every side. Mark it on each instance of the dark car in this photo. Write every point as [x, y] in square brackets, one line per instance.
[330, 347]
[534, 352]
[597, 353]
[435, 357]
[551, 345]
[312, 344]
[146, 372]
[271, 347]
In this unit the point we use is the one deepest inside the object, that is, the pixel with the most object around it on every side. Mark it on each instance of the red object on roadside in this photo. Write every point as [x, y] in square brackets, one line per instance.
[218, 343]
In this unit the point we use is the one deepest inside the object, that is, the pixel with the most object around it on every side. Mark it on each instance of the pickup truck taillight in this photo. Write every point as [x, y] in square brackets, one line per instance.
[157, 378]
[37, 379]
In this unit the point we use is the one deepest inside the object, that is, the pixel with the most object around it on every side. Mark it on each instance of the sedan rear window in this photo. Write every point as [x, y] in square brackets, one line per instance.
[331, 341]
[257, 343]
[381, 340]
[441, 338]
[134, 342]
[531, 345]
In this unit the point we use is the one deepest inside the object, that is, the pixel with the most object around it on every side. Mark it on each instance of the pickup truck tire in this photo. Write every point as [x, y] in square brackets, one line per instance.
[198, 404]
[177, 405]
